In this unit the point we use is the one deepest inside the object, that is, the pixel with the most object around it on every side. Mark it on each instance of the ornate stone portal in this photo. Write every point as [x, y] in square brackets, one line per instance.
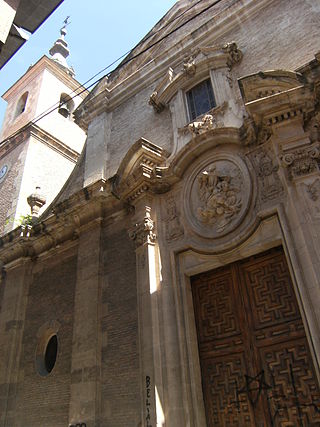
[218, 195]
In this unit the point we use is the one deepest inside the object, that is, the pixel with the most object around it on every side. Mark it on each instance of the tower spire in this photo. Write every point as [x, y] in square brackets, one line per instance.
[60, 51]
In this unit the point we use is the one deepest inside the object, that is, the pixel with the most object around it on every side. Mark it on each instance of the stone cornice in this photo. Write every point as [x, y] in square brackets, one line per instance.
[62, 225]
[32, 130]
[115, 91]
[144, 169]
[44, 63]
[136, 173]
[273, 97]
[276, 108]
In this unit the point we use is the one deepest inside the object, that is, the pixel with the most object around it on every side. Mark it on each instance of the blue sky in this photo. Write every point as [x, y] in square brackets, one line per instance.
[99, 32]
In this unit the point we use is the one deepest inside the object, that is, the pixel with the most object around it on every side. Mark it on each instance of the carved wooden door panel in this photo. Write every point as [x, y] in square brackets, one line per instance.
[255, 361]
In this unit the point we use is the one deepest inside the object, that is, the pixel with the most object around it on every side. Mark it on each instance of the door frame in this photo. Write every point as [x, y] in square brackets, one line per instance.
[269, 233]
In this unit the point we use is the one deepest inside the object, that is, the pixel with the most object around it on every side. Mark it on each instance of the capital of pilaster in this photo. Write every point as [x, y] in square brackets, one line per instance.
[303, 161]
[143, 232]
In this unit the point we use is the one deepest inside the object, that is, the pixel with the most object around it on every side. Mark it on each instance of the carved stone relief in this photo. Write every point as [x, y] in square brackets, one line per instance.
[174, 228]
[235, 54]
[253, 134]
[313, 127]
[267, 171]
[212, 120]
[218, 195]
[189, 66]
[312, 192]
[143, 232]
[301, 162]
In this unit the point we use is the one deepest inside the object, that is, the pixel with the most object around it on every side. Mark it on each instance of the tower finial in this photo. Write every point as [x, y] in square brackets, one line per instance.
[60, 51]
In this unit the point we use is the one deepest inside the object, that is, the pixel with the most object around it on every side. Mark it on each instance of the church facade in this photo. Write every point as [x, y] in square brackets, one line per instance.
[174, 281]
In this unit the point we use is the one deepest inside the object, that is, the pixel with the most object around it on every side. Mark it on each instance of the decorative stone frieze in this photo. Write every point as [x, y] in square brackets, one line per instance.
[267, 171]
[301, 162]
[217, 195]
[174, 229]
[143, 232]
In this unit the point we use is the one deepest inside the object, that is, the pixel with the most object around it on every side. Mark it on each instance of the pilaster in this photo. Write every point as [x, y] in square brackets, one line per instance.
[143, 233]
[15, 280]
[86, 349]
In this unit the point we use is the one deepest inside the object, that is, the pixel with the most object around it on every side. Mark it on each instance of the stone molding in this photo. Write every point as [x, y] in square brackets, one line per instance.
[137, 172]
[196, 66]
[271, 98]
[54, 68]
[32, 130]
[63, 223]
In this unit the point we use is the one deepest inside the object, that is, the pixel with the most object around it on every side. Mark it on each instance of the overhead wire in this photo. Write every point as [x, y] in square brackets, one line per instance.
[84, 89]
[83, 86]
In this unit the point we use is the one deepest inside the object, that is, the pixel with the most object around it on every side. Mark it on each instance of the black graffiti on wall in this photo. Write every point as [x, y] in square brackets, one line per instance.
[148, 401]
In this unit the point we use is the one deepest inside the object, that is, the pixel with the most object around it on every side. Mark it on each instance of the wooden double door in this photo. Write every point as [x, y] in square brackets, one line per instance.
[255, 361]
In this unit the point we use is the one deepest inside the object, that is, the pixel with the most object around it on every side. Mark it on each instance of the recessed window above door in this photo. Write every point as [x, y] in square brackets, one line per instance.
[200, 99]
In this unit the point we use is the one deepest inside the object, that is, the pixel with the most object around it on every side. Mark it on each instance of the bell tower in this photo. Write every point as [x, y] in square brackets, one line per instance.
[39, 141]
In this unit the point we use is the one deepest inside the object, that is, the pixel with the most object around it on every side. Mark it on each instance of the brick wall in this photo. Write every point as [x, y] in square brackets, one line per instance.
[120, 358]
[44, 400]
[10, 185]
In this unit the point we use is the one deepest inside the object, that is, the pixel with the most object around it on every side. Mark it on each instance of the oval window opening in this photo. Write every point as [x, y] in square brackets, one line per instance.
[50, 356]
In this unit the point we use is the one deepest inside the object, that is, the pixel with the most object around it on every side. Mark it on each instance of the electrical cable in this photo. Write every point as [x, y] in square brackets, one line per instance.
[146, 38]
[46, 113]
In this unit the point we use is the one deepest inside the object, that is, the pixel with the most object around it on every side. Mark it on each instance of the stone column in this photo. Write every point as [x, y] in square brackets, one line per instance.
[86, 350]
[15, 282]
[147, 287]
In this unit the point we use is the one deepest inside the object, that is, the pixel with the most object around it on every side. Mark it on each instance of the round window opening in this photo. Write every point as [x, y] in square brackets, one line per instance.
[47, 355]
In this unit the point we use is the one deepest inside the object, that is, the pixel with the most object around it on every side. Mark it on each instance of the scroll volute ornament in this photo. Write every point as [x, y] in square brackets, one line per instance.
[301, 162]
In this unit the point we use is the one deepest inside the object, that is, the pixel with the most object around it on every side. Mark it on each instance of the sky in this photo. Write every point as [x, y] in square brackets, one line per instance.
[99, 32]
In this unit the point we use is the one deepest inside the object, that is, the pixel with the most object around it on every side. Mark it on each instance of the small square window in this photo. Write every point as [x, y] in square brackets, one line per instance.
[200, 99]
